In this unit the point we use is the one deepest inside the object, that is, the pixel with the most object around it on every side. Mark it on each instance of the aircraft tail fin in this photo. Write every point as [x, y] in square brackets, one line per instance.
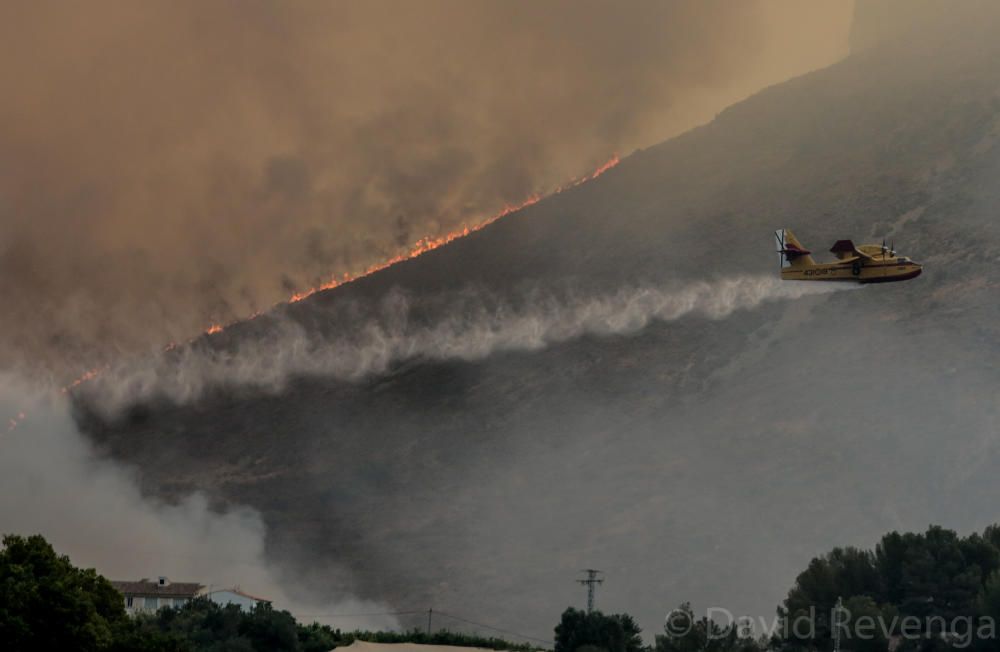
[791, 253]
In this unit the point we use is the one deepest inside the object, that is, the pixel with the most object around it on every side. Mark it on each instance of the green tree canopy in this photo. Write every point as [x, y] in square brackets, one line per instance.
[935, 573]
[935, 576]
[611, 633]
[685, 633]
[46, 603]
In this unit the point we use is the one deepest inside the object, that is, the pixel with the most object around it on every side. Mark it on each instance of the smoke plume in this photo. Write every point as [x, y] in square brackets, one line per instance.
[94, 511]
[359, 340]
[167, 165]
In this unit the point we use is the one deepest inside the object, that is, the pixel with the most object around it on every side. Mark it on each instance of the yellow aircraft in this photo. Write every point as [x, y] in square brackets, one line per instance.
[862, 264]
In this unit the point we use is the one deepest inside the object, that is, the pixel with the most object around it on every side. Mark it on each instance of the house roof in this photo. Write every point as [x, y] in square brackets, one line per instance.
[237, 591]
[153, 588]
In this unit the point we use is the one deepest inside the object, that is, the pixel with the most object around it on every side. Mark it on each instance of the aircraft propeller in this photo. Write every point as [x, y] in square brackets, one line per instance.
[890, 251]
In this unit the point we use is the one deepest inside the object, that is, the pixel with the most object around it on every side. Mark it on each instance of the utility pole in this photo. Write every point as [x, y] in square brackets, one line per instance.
[591, 583]
[430, 614]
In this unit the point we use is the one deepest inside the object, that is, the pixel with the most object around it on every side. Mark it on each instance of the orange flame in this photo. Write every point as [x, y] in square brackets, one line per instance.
[428, 243]
[90, 375]
[422, 246]
[613, 161]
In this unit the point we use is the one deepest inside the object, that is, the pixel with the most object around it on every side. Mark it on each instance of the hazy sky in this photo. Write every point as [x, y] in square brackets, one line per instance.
[166, 165]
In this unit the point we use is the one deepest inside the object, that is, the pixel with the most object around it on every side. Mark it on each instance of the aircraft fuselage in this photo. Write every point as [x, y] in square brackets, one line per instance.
[879, 270]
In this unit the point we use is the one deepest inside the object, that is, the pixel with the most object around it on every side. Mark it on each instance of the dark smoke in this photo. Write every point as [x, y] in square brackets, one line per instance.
[165, 165]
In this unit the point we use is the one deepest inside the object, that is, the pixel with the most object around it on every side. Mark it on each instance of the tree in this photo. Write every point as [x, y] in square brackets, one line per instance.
[865, 625]
[318, 638]
[935, 578]
[204, 625]
[936, 573]
[841, 573]
[270, 630]
[684, 633]
[46, 603]
[611, 633]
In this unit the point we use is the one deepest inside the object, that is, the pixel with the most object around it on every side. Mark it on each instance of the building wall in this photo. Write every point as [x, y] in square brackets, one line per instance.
[136, 604]
[148, 604]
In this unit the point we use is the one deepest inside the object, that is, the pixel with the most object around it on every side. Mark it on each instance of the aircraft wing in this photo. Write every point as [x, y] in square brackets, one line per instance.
[847, 252]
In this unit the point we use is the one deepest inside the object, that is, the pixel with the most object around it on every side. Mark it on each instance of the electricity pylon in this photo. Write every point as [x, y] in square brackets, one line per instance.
[591, 582]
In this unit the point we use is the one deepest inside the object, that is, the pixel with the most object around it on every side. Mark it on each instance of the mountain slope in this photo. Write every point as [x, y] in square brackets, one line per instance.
[697, 459]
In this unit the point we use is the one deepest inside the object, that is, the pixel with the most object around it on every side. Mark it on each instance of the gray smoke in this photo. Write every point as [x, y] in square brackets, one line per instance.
[465, 326]
[94, 510]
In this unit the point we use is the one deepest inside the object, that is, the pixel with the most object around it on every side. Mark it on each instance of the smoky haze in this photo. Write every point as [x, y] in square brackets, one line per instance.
[696, 459]
[166, 165]
[55, 483]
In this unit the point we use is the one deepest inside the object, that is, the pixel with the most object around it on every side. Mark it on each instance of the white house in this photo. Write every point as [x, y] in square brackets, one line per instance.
[245, 601]
[150, 595]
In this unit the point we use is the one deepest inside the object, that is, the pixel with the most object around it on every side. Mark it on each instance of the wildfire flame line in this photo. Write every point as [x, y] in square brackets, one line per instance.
[90, 375]
[425, 244]
[422, 246]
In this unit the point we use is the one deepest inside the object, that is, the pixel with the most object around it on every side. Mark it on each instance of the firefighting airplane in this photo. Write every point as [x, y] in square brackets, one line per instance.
[865, 263]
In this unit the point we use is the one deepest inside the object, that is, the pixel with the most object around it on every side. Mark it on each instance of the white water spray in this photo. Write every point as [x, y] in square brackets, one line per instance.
[470, 327]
